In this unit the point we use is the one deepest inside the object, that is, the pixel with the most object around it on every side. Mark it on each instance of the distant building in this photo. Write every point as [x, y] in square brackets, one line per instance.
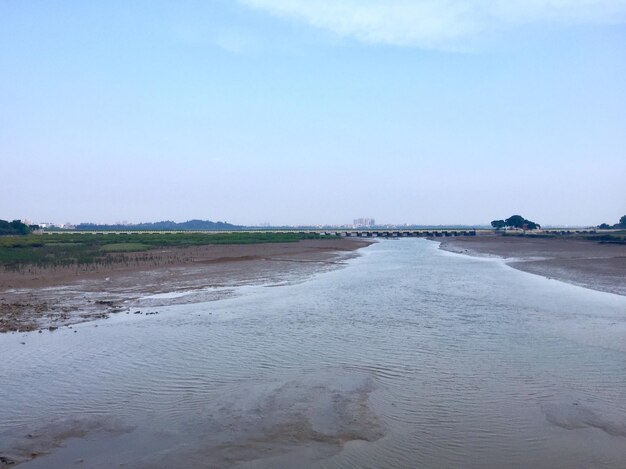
[64, 226]
[364, 222]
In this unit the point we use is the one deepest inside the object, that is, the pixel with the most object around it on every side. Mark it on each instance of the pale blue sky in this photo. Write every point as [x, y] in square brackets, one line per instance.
[310, 112]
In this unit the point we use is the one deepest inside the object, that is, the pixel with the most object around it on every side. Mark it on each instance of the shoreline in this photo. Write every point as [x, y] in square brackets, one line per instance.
[585, 263]
[48, 298]
[53, 297]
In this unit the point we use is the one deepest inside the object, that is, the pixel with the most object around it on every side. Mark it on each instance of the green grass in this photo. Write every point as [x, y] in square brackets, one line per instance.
[64, 249]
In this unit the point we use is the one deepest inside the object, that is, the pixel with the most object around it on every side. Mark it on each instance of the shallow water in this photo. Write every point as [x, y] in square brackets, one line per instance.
[408, 357]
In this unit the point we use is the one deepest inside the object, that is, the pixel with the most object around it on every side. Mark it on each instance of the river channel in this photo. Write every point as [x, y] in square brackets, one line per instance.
[408, 356]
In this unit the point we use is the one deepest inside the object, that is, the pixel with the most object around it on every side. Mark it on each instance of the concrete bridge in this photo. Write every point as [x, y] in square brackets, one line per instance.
[569, 232]
[365, 233]
[359, 233]
[377, 233]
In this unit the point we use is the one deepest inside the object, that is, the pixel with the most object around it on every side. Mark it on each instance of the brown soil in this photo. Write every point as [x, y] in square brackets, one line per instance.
[52, 297]
[581, 262]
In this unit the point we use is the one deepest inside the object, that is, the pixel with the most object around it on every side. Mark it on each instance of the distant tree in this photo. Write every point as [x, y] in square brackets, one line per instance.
[515, 221]
[498, 224]
[604, 226]
[20, 228]
[622, 222]
[15, 227]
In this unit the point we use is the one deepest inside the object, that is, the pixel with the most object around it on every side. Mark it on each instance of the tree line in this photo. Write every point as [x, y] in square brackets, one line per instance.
[15, 227]
[161, 226]
[620, 224]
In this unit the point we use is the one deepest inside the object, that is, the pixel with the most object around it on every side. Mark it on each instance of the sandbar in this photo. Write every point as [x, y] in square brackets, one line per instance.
[587, 263]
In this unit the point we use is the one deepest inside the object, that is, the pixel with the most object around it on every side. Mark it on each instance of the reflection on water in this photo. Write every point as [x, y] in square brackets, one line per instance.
[409, 357]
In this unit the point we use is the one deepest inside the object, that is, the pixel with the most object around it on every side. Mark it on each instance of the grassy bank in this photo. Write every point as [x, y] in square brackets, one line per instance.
[612, 237]
[64, 249]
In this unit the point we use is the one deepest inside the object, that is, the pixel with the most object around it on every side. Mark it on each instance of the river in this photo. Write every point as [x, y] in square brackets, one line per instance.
[408, 357]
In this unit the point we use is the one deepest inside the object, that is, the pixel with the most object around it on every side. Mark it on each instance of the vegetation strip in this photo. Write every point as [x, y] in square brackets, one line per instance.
[64, 249]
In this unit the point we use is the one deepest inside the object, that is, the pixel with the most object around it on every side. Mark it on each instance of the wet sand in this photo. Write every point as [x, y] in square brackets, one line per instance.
[589, 264]
[39, 298]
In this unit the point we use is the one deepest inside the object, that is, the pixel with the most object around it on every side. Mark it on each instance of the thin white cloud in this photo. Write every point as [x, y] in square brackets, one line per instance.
[436, 23]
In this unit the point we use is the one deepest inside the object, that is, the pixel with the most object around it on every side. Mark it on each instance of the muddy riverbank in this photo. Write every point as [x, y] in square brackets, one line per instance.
[589, 264]
[37, 298]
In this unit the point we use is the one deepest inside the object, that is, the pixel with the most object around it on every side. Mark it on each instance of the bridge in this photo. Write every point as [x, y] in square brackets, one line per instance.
[377, 233]
[348, 232]
[344, 233]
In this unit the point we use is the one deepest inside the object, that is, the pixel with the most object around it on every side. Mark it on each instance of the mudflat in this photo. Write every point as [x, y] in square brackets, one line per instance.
[587, 263]
[51, 297]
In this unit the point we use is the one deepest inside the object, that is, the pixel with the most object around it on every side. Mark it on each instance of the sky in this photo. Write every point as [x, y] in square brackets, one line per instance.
[306, 112]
